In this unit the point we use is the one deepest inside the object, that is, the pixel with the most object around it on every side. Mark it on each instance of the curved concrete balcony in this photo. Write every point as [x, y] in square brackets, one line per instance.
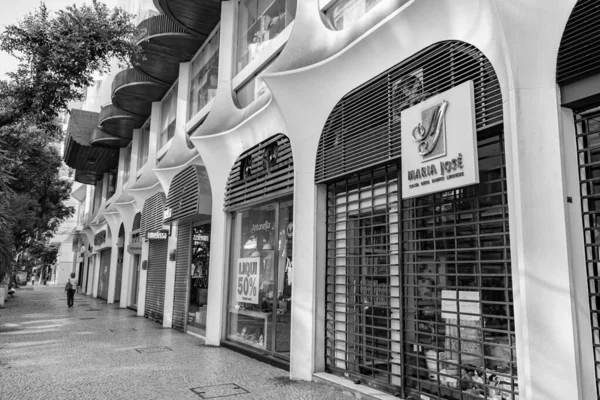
[134, 92]
[165, 45]
[197, 16]
[103, 139]
[118, 123]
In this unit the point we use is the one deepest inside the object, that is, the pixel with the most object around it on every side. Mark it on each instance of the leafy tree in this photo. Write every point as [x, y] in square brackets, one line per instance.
[58, 55]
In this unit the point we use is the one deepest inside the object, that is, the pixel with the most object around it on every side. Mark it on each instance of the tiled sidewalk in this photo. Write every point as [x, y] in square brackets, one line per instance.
[95, 350]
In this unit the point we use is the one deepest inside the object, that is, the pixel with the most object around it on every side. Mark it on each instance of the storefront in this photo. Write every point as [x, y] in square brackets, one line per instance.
[152, 230]
[100, 241]
[259, 197]
[188, 208]
[419, 298]
[120, 253]
[135, 249]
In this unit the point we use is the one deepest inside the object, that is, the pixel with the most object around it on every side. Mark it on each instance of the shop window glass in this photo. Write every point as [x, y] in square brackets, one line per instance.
[199, 277]
[343, 13]
[261, 278]
[168, 118]
[127, 164]
[112, 183]
[205, 68]
[259, 22]
[143, 149]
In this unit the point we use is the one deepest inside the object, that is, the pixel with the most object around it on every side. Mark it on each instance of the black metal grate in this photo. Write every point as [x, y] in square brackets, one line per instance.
[155, 280]
[364, 128]
[588, 148]
[419, 292]
[182, 275]
[363, 286]
[184, 193]
[264, 172]
[152, 214]
[579, 51]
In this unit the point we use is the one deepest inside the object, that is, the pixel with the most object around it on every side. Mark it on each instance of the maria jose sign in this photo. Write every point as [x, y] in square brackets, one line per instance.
[439, 143]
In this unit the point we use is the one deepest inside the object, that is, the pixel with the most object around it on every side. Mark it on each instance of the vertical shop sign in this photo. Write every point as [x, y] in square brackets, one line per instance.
[247, 280]
[439, 151]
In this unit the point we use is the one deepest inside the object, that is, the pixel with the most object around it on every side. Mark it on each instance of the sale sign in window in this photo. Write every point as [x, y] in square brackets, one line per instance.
[247, 280]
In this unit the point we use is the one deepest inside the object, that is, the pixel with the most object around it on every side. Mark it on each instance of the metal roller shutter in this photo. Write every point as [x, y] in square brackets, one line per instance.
[264, 172]
[155, 284]
[364, 128]
[579, 52]
[182, 276]
[588, 148]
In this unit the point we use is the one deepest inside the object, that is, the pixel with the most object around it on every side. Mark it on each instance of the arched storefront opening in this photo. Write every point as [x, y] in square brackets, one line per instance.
[419, 298]
[152, 221]
[120, 250]
[135, 249]
[259, 196]
[189, 206]
[578, 76]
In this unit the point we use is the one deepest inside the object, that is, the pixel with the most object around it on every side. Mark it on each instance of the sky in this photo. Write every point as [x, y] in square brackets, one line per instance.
[12, 11]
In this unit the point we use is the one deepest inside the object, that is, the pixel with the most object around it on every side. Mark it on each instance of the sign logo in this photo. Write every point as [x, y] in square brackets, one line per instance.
[157, 235]
[167, 213]
[440, 145]
[430, 133]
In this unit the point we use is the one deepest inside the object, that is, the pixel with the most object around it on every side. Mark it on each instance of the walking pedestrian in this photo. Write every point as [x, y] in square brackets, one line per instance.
[32, 280]
[71, 288]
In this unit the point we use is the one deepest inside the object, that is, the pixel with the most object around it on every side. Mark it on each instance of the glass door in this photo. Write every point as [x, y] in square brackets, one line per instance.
[283, 279]
[198, 296]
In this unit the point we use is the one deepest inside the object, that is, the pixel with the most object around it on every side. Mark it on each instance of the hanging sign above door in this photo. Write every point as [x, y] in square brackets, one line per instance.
[439, 143]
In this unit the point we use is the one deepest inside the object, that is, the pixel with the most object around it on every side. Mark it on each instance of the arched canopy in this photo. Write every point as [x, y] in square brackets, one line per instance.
[189, 194]
[264, 172]
[364, 128]
[152, 213]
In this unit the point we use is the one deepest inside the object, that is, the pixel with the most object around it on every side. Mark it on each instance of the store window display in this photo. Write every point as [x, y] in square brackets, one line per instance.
[259, 22]
[260, 278]
[199, 267]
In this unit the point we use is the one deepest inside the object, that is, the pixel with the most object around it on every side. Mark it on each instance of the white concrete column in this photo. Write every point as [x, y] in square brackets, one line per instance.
[183, 92]
[96, 275]
[127, 272]
[112, 276]
[170, 280]
[219, 262]
[135, 149]
[540, 248]
[143, 275]
[303, 332]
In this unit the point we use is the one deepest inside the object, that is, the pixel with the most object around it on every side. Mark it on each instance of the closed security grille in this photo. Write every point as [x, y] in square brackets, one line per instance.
[363, 278]
[264, 172]
[419, 291]
[579, 52]
[588, 146]
[152, 213]
[184, 193]
[155, 281]
[364, 128]
[419, 299]
[182, 275]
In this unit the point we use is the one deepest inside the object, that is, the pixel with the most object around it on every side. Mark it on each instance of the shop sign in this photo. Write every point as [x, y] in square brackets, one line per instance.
[439, 143]
[134, 248]
[161, 234]
[167, 213]
[248, 274]
[201, 238]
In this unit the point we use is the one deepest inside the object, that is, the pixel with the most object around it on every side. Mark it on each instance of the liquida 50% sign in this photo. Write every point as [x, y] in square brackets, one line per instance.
[247, 280]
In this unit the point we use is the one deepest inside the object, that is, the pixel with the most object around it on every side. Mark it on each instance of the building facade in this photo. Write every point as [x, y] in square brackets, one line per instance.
[393, 196]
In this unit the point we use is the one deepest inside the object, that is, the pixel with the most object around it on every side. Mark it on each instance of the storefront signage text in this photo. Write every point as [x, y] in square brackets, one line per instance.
[134, 248]
[248, 276]
[157, 235]
[261, 227]
[439, 153]
[167, 213]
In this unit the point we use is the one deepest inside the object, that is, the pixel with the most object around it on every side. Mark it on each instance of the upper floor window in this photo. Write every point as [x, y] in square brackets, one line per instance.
[127, 164]
[205, 75]
[252, 89]
[260, 21]
[167, 116]
[112, 183]
[143, 148]
[343, 13]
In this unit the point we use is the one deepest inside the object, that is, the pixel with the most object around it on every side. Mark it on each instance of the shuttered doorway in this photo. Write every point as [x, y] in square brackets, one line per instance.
[182, 273]
[155, 283]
